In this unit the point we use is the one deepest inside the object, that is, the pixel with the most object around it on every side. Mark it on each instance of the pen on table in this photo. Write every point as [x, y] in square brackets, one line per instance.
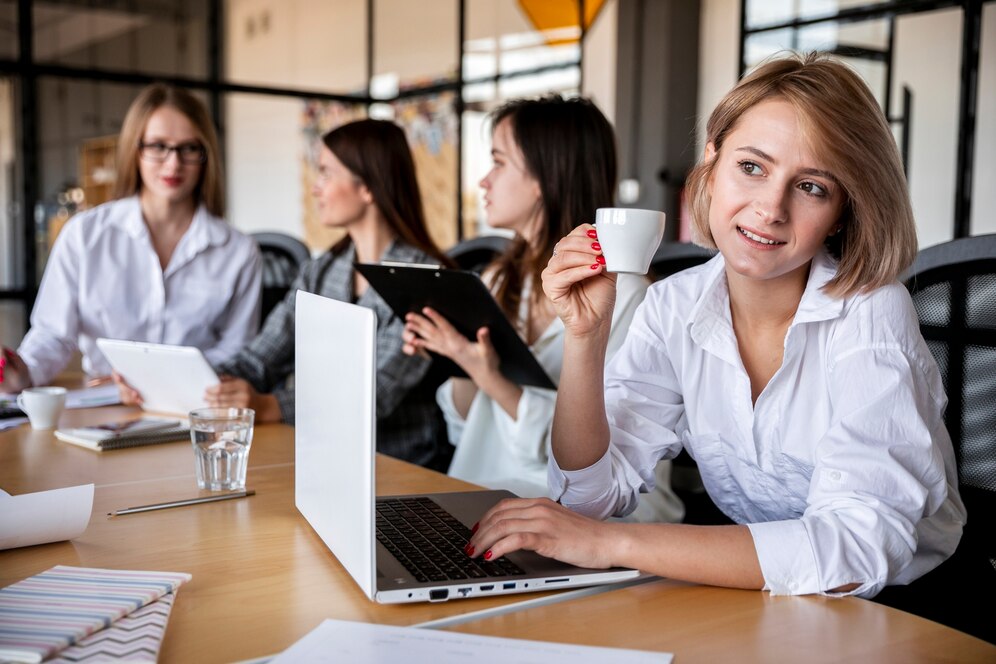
[181, 503]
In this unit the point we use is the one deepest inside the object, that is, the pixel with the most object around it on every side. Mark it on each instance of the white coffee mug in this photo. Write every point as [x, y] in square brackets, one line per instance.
[629, 237]
[42, 405]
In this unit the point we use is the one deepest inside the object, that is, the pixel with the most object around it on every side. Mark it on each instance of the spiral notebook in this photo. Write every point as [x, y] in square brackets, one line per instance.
[130, 433]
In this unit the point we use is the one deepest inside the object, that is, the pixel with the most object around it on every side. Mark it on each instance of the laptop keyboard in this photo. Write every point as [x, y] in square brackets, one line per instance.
[429, 542]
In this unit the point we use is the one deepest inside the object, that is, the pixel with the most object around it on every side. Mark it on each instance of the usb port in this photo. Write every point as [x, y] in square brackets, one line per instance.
[487, 587]
[508, 586]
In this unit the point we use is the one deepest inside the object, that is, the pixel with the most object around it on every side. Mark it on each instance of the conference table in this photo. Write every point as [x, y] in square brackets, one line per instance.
[262, 578]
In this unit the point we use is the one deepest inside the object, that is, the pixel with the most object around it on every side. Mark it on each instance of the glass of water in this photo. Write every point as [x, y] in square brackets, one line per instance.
[221, 438]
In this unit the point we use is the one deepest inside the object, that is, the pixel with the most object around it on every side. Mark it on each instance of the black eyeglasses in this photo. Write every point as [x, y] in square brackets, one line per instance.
[189, 153]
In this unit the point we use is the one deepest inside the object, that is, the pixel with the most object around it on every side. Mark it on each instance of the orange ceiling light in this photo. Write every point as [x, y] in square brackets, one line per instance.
[553, 14]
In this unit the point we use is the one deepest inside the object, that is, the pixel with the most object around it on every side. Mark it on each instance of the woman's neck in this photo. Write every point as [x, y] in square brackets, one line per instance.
[371, 237]
[770, 303]
[163, 215]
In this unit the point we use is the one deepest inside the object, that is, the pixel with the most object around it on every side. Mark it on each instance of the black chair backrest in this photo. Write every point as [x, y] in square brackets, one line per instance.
[283, 256]
[674, 257]
[474, 254]
[953, 286]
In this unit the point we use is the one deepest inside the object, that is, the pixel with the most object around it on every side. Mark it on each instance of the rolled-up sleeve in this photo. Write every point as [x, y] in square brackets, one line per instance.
[644, 408]
[55, 320]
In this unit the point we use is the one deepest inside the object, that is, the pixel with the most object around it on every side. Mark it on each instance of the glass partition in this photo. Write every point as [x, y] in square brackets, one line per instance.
[768, 12]
[415, 43]
[8, 29]
[502, 38]
[301, 44]
[148, 36]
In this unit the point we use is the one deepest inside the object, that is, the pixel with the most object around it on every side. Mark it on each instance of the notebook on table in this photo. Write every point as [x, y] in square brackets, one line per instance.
[127, 433]
[382, 542]
[60, 608]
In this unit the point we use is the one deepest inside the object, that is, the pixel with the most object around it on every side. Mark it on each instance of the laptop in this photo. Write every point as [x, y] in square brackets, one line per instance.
[380, 541]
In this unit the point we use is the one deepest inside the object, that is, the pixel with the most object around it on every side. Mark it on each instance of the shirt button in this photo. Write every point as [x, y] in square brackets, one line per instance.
[835, 476]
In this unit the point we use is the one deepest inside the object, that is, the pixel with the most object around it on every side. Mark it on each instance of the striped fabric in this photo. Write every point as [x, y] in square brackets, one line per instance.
[59, 607]
[134, 638]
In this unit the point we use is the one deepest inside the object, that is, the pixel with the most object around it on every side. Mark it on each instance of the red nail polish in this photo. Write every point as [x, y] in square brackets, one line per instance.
[595, 266]
[470, 552]
[473, 529]
[596, 246]
[600, 259]
[489, 555]
[592, 233]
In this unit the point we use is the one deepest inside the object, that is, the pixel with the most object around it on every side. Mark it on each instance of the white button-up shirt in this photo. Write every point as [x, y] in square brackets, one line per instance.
[103, 279]
[842, 469]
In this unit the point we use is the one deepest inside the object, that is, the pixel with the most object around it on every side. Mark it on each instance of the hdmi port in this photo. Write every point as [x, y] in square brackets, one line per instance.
[487, 587]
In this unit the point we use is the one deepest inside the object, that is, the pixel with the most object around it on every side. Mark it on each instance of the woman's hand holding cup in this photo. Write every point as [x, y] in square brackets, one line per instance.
[575, 280]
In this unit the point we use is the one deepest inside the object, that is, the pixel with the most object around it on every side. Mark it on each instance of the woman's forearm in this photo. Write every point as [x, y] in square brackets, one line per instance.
[580, 428]
[712, 555]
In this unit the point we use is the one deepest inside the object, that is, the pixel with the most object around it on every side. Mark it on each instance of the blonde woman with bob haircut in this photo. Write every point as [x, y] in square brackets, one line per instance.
[158, 263]
[791, 367]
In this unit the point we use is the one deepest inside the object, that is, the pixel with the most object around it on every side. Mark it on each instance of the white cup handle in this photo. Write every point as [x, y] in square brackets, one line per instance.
[20, 402]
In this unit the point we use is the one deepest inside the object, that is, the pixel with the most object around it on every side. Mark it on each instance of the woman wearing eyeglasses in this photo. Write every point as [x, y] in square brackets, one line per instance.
[158, 263]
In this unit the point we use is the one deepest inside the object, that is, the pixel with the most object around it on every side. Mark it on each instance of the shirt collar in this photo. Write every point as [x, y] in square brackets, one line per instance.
[713, 306]
[205, 229]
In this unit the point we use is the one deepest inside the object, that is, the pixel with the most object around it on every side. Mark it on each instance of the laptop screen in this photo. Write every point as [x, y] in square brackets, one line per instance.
[335, 427]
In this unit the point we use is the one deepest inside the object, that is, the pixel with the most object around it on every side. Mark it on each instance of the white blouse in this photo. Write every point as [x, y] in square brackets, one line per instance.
[843, 468]
[103, 279]
[498, 451]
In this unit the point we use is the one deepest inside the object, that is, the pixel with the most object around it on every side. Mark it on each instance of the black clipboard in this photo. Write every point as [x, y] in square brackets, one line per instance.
[463, 299]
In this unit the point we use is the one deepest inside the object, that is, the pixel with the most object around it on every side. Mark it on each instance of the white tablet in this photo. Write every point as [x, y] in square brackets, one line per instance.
[171, 379]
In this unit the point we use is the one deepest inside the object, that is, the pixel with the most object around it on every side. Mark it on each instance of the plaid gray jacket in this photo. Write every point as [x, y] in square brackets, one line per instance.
[409, 423]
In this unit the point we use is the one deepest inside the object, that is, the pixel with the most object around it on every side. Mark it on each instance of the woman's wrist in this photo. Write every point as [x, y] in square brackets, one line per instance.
[267, 408]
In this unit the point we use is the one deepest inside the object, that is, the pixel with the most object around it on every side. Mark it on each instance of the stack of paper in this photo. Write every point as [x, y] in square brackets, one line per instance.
[59, 608]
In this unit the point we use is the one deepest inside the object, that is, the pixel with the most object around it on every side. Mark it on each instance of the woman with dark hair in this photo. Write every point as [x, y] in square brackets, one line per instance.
[366, 186]
[554, 165]
[158, 263]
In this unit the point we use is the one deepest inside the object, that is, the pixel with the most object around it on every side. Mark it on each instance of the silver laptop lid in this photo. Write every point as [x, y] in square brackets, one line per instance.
[334, 374]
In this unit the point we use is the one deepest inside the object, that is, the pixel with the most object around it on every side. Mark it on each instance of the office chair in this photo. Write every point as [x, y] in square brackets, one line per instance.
[672, 257]
[953, 286]
[283, 256]
[475, 253]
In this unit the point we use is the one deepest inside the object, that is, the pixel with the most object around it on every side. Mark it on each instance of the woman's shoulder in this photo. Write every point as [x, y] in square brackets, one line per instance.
[881, 317]
[90, 226]
[687, 287]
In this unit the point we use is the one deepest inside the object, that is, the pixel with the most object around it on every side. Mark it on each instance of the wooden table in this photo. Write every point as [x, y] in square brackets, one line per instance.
[262, 578]
[706, 624]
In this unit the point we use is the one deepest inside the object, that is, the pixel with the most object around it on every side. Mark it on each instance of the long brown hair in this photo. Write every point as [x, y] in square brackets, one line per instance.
[846, 127]
[377, 152]
[570, 150]
[210, 188]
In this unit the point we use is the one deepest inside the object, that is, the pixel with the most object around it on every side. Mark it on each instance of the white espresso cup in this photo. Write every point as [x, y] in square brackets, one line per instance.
[42, 405]
[629, 237]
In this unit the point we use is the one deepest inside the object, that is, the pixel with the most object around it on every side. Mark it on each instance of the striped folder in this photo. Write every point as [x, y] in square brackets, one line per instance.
[103, 614]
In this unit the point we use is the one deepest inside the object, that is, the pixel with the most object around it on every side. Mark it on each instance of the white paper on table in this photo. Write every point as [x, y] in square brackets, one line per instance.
[44, 516]
[91, 397]
[344, 641]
